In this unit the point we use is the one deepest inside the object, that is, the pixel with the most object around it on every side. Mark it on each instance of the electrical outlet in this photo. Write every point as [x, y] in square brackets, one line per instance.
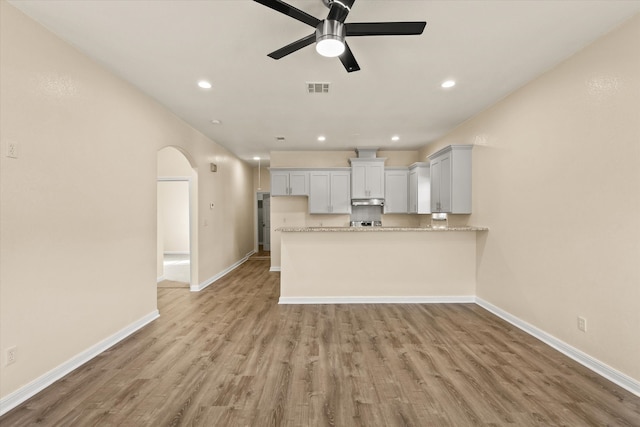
[582, 324]
[12, 150]
[11, 355]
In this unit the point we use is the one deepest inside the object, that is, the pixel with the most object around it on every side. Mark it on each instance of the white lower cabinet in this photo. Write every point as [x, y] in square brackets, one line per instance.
[330, 192]
[396, 182]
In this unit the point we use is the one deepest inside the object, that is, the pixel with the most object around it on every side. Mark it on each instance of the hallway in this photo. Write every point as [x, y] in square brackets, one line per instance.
[176, 271]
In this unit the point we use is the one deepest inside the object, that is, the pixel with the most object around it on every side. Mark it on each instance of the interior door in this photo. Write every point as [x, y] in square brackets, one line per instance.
[266, 224]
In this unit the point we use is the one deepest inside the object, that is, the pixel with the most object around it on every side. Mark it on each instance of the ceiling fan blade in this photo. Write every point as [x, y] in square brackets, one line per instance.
[291, 11]
[348, 60]
[292, 47]
[385, 28]
[340, 9]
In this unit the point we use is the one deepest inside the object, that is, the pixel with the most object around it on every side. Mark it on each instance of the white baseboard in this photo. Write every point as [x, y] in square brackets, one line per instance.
[209, 281]
[584, 359]
[176, 253]
[160, 279]
[274, 269]
[377, 300]
[12, 400]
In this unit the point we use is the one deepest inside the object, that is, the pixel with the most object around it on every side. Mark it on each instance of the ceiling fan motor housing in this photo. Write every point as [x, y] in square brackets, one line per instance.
[330, 29]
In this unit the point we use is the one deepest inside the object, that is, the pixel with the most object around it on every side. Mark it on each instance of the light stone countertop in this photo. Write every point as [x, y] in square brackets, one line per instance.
[378, 229]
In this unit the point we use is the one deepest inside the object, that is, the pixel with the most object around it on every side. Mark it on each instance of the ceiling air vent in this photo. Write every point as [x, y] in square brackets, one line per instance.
[317, 87]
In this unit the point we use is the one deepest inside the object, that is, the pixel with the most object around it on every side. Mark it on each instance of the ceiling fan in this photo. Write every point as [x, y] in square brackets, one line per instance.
[330, 33]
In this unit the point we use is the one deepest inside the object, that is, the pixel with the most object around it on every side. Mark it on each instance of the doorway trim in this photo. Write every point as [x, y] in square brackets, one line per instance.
[255, 219]
[193, 278]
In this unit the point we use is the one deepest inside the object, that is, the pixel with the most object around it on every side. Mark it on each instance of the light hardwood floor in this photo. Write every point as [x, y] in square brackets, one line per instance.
[231, 356]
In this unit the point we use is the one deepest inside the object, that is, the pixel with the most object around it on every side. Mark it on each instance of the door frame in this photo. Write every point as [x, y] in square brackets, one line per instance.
[193, 278]
[255, 218]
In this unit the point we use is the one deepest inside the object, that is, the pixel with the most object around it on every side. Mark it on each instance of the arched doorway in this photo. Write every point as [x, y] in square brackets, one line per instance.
[177, 220]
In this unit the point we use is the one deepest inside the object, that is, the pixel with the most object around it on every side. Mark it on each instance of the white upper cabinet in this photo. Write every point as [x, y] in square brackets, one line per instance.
[396, 181]
[329, 192]
[288, 182]
[367, 178]
[451, 179]
[419, 188]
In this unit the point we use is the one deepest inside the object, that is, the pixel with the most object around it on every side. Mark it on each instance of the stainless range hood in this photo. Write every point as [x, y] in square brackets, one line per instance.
[367, 202]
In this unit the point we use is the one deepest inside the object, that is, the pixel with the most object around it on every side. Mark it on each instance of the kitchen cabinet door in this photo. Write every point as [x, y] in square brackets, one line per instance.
[395, 191]
[367, 178]
[319, 192]
[289, 183]
[419, 188]
[279, 183]
[451, 179]
[298, 183]
[340, 193]
[329, 192]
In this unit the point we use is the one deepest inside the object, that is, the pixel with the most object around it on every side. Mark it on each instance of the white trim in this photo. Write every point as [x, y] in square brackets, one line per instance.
[584, 359]
[174, 178]
[12, 400]
[272, 269]
[160, 279]
[220, 275]
[378, 300]
[176, 253]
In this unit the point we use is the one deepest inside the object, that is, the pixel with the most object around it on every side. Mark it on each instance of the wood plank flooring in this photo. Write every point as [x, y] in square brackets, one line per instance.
[231, 356]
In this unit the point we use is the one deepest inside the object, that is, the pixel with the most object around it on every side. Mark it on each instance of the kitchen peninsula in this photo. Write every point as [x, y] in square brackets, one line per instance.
[379, 264]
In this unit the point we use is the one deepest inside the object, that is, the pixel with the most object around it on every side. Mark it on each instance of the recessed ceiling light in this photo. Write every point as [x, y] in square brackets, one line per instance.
[395, 138]
[448, 83]
[256, 158]
[204, 84]
[321, 138]
[216, 122]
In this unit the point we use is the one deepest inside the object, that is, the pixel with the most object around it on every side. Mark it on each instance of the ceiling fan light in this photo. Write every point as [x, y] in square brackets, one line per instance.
[330, 38]
[330, 46]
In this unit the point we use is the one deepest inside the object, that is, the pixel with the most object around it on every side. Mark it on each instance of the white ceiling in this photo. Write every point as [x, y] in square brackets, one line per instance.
[489, 47]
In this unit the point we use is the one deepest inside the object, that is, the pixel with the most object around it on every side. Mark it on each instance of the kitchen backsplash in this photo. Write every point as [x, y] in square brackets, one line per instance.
[366, 213]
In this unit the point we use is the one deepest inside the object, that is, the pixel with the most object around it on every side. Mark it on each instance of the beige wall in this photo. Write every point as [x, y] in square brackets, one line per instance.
[264, 182]
[78, 224]
[292, 211]
[173, 205]
[557, 181]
